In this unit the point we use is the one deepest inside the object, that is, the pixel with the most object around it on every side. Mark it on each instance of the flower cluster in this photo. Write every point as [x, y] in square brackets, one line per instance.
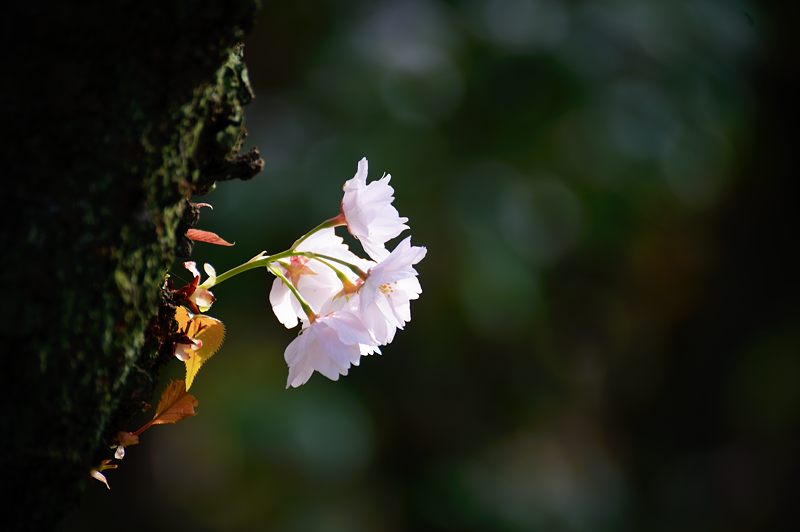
[348, 306]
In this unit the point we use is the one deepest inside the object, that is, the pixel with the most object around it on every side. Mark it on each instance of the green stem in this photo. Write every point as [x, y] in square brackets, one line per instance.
[330, 222]
[300, 299]
[262, 262]
[310, 254]
[346, 282]
[265, 261]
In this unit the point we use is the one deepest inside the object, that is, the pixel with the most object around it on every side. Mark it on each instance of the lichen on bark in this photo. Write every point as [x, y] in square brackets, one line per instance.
[135, 110]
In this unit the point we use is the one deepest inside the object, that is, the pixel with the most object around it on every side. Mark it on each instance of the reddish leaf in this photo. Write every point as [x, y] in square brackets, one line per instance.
[185, 292]
[126, 439]
[175, 404]
[198, 235]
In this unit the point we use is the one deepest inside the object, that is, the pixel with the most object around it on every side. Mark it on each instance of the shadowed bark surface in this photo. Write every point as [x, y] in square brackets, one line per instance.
[119, 113]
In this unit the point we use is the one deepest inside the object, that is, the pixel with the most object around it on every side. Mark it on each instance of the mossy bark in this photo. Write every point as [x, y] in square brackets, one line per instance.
[115, 114]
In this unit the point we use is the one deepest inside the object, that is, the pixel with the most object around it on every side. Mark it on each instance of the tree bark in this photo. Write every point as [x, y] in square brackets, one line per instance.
[115, 114]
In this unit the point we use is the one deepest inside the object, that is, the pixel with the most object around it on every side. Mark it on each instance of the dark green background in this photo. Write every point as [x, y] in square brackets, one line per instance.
[603, 341]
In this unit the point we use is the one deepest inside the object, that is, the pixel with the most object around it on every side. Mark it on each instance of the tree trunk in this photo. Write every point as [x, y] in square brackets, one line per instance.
[118, 113]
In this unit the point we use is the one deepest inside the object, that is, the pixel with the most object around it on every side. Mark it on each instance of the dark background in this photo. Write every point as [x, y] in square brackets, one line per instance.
[608, 334]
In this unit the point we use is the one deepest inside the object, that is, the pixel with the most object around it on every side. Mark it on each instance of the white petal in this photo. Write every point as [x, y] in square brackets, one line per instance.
[184, 352]
[299, 374]
[319, 288]
[212, 275]
[97, 475]
[382, 330]
[329, 346]
[367, 350]
[361, 172]
[203, 298]
[281, 300]
[386, 307]
[350, 328]
[192, 267]
[375, 250]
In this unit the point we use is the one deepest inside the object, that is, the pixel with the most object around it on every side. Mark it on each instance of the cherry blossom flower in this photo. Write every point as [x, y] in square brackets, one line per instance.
[186, 349]
[369, 213]
[384, 299]
[316, 282]
[202, 296]
[348, 306]
[329, 345]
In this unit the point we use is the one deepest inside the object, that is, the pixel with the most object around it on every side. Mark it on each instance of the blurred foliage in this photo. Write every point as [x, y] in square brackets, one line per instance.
[585, 356]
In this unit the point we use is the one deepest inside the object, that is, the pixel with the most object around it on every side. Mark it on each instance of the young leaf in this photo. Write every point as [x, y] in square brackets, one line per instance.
[182, 316]
[184, 293]
[198, 235]
[211, 332]
[174, 405]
